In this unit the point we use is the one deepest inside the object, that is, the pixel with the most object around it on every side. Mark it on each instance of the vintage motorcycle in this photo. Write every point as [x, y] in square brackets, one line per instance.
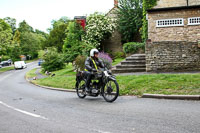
[103, 83]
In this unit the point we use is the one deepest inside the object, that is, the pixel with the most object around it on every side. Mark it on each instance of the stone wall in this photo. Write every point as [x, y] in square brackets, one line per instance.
[180, 33]
[175, 3]
[170, 3]
[112, 44]
[194, 2]
[172, 56]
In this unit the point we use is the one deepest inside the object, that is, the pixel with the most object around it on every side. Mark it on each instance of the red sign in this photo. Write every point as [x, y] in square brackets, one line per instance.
[81, 20]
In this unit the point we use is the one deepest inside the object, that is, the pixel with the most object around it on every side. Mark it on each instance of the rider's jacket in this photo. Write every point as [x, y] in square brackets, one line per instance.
[91, 63]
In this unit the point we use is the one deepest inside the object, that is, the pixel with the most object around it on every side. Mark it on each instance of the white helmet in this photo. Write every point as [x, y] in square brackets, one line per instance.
[93, 51]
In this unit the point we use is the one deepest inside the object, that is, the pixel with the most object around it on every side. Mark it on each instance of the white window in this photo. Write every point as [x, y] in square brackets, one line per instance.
[194, 21]
[170, 22]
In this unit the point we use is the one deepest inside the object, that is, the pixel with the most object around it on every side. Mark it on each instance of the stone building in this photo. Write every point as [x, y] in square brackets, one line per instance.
[113, 44]
[173, 36]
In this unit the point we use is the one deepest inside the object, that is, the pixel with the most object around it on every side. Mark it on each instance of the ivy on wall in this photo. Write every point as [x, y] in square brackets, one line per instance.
[147, 4]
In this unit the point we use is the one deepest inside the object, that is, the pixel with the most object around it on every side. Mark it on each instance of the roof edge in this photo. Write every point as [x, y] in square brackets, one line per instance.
[173, 8]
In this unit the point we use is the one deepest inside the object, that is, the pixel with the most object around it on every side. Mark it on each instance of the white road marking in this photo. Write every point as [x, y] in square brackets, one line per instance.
[22, 111]
[99, 131]
[5, 77]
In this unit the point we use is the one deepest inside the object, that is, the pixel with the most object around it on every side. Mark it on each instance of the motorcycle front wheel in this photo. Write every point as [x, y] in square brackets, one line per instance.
[110, 91]
[80, 89]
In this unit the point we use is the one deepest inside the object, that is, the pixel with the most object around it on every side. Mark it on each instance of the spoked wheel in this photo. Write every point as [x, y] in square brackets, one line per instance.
[111, 91]
[80, 89]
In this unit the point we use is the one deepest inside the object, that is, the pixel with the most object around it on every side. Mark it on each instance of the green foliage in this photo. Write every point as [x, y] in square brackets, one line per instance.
[24, 27]
[11, 22]
[41, 54]
[72, 44]
[98, 28]
[79, 63]
[130, 18]
[119, 55]
[147, 4]
[30, 41]
[14, 42]
[5, 37]
[30, 44]
[57, 36]
[133, 47]
[5, 57]
[53, 60]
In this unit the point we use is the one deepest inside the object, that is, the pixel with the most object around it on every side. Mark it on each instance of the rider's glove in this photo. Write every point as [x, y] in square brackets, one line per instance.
[94, 70]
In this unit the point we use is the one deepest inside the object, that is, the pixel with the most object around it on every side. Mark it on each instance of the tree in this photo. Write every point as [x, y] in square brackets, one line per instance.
[72, 45]
[5, 37]
[57, 35]
[98, 28]
[16, 49]
[30, 44]
[30, 41]
[130, 18]
[11, 22]
[24, 27]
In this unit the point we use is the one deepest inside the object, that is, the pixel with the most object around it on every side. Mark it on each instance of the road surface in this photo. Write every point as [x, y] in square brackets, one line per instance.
[25, 108]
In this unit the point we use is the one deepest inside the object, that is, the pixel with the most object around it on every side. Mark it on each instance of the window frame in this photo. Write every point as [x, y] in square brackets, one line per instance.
[198, 19]
[170, 22]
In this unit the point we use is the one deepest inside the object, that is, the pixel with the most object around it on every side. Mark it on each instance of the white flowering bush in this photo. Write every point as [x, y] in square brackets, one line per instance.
[98, 28]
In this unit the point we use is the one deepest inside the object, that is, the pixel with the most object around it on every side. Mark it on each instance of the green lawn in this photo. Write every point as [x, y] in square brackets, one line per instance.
[180, 84]
[64, 78]
[117, 61]
[4, 69]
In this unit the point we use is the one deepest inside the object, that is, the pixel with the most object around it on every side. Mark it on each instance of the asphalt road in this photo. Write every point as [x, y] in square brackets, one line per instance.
[25, 108]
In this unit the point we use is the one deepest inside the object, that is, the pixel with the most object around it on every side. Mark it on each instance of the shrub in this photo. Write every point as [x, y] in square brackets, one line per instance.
[133, 47]
[79, 63]
[119, 55]
[53, 60]
[4, 58]
[107, 60]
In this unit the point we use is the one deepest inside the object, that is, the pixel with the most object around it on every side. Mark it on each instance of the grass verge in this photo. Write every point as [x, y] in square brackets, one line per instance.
[29, 61]
[64, 78]
[4, 69]
[31, 73]
[179, 84]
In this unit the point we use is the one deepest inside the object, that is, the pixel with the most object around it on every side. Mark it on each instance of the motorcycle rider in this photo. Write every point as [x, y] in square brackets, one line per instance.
[92, 64]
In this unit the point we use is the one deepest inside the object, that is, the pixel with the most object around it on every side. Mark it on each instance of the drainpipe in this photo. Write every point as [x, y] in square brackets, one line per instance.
[187, 2]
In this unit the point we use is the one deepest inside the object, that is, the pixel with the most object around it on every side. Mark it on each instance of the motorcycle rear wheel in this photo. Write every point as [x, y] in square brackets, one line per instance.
[80, 89]
[110, 91]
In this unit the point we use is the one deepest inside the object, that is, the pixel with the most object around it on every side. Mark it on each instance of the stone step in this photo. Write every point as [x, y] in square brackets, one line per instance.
[128, 70]
[133, 59]
[133, 62]
[138, 55]
[131, 66]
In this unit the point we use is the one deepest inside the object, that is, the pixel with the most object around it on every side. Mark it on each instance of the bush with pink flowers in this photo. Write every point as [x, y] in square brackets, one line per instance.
[107, 60]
